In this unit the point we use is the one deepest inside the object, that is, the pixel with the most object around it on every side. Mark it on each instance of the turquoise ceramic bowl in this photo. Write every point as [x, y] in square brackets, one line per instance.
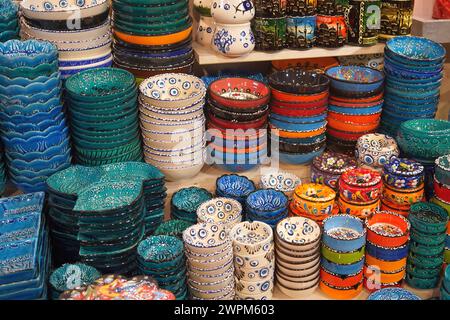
[44, 69]
[420, 272]
[172, 228]
[113, 116]
[161, 250]
[422, 283]
[29, 53]
[428, 218]
[148, 20]
[187, 200]
[148, 10]
[107, 105]
[429, 262]
[70, 276]
[415, 50]
[106, 125]
[442, 169]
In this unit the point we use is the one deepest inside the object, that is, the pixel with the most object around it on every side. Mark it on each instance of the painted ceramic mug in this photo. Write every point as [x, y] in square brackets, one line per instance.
[364, 22]
[268, 8]
[233, 40]
[205, 31]
[270, 33]
[301, 7]
[301, 32]
[396, 18]
[232, 11]
[331, 31]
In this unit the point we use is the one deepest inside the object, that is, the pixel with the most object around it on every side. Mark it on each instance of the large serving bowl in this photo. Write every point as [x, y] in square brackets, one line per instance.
[297, 80]
[239, 92]
[424, 138]
[62, 10]
[172, 90]
[415, 50]
[359, 81]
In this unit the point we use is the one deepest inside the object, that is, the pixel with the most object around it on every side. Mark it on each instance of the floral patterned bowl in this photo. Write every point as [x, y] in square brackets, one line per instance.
[314, 199]
[403, 173]
[234, 186]
[360, 185]
[393, 294]
[360, 80]
[267, 203]
[328, 167]
[281, 181]
[220, 211]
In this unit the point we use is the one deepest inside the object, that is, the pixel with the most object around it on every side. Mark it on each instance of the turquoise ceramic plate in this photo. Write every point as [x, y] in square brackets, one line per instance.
[73, 179]
[131, 171]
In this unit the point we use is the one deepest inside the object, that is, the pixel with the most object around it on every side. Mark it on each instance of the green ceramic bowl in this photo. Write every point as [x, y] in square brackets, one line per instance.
[133, 171]
[106, 125]
[70, 276]
[422, 283]
[44, 69]
[428, 217]
[72, 180]
[106, 105]
[113, 116]
[9, 25]
[427, 239]
[132, 155]
[148, 20]
[426, 261]
[99, 134]
[148, 10]
[98, 84]
[342, 257]
[111, 143]
[109, 153]
[422, 272]
[421, 249]
[173, 26]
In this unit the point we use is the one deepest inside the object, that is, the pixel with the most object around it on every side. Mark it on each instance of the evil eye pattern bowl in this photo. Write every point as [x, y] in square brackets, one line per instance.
[251, 238]
[298, 231]
[220, 211]
[281, 181]
[205, 235]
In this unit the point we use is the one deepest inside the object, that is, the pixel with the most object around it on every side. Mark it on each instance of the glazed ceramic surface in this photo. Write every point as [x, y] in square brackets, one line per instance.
[233, 40]
[220, 211]
[298, 230]
[280, 180]
[232, 11]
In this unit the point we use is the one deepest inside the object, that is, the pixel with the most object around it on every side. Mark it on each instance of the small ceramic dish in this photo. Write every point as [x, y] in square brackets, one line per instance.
[298, 233]
[234, 186]
[314, 199]
[239, 93]
[220, 211]
[344, 233]
[205, 238]
[253, 287]
[296, 293]
[341, 293]
[280, 180]
[251, 238]
[385, 253]
[299, 81]
[339, 257]
[360, 185]
[160, 249]
[266, 202]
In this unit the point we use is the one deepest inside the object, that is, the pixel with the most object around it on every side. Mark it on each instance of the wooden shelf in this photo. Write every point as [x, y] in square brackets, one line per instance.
[206, 56]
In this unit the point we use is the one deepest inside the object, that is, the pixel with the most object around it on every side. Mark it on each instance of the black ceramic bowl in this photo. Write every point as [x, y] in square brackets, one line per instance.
[301, 148]
[238, 116]
[153, 65]
[152, 49]
[355, 95]
[66, 25]
[299, 81]
[146, 60]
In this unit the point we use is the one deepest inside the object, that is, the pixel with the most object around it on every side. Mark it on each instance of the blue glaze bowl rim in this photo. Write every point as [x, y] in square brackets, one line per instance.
[239, 178]
[370, 70]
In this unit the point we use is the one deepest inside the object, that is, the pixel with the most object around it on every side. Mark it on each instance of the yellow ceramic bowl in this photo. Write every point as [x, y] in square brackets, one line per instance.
[315, 199]
[403, 197]
[154, 40]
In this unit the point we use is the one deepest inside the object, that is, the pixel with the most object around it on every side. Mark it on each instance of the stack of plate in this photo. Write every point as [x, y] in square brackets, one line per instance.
[220, 211]
[71, 276]
[414, 71]
[33, 126]
[185, 202]
[152, 37]
[9, 23]
[162, 258]
[25, 257]
[173, 123]
[2, 174]
[297, 242]
[428, 234]
[235, 187]
[102, 103]
[445, 287]
[111, 224]
[267, 205]
[254, 260]
[237, 122]
[355, 105]
[343, 244]
[209, 262]
[80, 30]
[299, 110]
[387, 246]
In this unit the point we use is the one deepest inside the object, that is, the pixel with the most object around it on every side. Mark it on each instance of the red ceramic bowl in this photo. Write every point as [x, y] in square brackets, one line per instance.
[346, 135]
[299, 105]
[360, 100]
[290, 97]
[441, 190]
[298, 112]
[355, 118]
[372, 287]
[351, 126]
[239, 92]
[387, 229]
[360, 185]
[339, 280]
[338, 103]
[226, 124]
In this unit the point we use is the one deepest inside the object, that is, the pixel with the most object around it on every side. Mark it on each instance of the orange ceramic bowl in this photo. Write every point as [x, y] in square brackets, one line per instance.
[387, 229]
[387, 205]
[356, 118]
[290, 97]
[384, 277]
[154, 40]
[297, 134]
[359, 210]
[316, 64]
[372, 287]
[351, 126]
[378, 97]
[346, 293]
[386, 266]
[403, 197]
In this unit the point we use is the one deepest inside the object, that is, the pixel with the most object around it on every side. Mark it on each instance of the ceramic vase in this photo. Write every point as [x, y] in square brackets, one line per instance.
[233, 40]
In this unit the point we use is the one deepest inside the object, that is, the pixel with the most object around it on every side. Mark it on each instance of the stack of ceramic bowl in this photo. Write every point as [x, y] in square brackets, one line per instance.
[297, 242]
[153, 182]
[162, 258]
[281, 181]
[386, 250]
[298, 114]
[172, 228]
[152, 37]
[393, 294]
[254, 260]
[403, 185]
[428, 235]
[360, 192]
[173, 123]
[314, 201]
[237, 122]
[102, 103]
[343, 245]
[185, 202]
[2, 174]
[71, 276]
[424, 140]
[356, 95]
[235, 187]
[267, 205]
[374, 150]
[33, 126]
[445, 286]
[441, 184]
[327, 168]
[220, 211]
[414, 71]
[80, 30]
[25, 257]
[210, 266]
[9, 23]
